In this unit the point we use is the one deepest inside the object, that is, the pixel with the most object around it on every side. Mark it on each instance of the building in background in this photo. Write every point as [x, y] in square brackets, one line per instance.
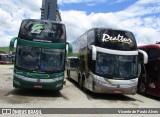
[50, 10]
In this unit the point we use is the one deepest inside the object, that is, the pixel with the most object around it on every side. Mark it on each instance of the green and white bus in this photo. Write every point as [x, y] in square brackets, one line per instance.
[40, 55]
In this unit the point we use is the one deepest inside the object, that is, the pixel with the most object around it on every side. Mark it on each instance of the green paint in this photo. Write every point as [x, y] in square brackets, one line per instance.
[11, 47]
[37, 28]
[30, 85]
[40, 44]
[37, 75]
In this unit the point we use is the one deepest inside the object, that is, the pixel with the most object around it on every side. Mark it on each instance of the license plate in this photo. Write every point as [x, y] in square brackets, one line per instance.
[38, 86]
[117, 91]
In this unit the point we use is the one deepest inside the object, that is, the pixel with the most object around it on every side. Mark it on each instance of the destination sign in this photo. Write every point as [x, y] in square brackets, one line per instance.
[119, 38]
[115, 39]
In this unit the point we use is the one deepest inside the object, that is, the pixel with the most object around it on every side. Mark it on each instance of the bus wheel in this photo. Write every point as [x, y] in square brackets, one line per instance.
[68, 74]
[82, 82]
[142, 88]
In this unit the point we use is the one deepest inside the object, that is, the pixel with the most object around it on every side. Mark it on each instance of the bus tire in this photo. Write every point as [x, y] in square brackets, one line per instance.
[79, 80]
[82, 82]
[68, 74]
[142, 87]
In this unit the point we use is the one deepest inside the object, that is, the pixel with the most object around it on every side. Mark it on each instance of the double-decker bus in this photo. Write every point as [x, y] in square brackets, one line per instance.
[106, 61]
[149, 80]
[40, 55]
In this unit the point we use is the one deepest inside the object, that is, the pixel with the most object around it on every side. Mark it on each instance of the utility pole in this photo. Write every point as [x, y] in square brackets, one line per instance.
[50, 10]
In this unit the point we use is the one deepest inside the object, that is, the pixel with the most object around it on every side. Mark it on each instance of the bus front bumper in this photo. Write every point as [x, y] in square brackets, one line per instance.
[114, 89]
[104, 85]
[38, 83]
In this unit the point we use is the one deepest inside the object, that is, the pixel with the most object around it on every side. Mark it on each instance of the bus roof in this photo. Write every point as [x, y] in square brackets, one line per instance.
[150, 46]
[106, 38]
[109, 29]
[95, 28]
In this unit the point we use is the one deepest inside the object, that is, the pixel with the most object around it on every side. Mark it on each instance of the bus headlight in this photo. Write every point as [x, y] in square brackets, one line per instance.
[100, 80]
[134, 84]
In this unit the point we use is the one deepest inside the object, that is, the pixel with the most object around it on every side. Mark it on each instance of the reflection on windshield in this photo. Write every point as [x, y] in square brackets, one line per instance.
[116, 66]
[40, 59]
[52, 59]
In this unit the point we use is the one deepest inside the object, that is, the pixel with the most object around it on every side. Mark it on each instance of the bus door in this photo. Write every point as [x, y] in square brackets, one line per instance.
[153, 77]
[72, 68]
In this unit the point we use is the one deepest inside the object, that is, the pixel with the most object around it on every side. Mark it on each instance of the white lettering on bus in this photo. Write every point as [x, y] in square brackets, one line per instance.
[48, 31]
[41, 40]
[119, 38]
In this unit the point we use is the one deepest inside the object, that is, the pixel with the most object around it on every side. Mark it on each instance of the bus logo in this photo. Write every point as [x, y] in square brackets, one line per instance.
[119, 38]
[37, 28]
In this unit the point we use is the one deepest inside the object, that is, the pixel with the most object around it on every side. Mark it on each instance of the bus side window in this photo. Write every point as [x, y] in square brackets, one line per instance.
[153, 53]
[82, 65]
[73, 63]
[153, 70]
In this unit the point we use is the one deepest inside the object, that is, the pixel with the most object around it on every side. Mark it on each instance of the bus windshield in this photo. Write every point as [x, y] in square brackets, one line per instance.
[40, 59]
[116, 66]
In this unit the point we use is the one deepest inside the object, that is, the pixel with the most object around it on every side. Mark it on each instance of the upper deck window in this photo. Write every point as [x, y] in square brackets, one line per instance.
[43, 31]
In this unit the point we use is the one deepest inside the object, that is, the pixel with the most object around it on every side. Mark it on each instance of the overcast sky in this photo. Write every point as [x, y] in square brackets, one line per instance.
[142, 17]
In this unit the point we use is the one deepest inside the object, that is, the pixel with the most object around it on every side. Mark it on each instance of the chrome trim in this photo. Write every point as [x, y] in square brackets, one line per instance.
[116, 52]
[111, 83]
[37, 79]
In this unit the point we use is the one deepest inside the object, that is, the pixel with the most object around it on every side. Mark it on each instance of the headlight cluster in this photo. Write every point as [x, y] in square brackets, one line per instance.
[100, 80]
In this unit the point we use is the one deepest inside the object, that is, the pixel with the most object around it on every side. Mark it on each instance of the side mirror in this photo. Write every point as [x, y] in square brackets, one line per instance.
[142, 56]
[11, 46]
[70, 49]
[94, 52]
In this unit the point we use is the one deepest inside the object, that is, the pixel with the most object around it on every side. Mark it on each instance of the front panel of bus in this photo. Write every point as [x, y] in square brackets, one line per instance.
[40, 55]
[153, 71]
[116, 64]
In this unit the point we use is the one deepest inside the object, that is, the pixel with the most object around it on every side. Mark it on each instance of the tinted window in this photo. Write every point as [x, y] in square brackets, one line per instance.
[115, 66]
[40, 59]
[153, 53]
[73, 62]
[39, 30]
[3, 58]
[91, 37]
[154, 70]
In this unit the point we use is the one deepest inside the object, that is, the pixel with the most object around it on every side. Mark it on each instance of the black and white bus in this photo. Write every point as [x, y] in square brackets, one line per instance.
[106, 61]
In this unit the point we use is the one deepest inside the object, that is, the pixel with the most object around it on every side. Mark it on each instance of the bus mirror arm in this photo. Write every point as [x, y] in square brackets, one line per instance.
[94, 52]
[70, 49]
[11, 46]
[143, 54]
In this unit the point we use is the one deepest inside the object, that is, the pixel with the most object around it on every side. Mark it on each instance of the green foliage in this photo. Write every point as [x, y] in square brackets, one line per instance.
[4, 49]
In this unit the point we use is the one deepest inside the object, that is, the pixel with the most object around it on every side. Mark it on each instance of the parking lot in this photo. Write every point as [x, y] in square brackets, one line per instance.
[69, 97]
